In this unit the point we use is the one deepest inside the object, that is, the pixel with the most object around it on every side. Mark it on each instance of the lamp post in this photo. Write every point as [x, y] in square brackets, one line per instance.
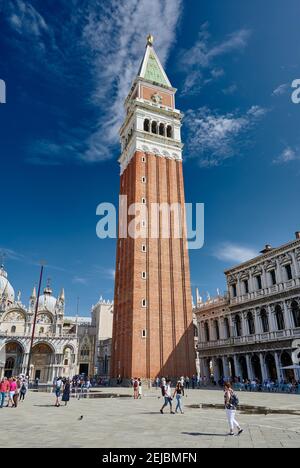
[34, 320]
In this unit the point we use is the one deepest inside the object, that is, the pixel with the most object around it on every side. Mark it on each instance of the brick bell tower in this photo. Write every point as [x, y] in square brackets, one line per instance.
[152, 330]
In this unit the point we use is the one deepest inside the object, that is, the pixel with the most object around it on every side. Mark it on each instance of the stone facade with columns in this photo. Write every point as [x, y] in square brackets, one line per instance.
[253, 331]
[102, 319]
[63, 346]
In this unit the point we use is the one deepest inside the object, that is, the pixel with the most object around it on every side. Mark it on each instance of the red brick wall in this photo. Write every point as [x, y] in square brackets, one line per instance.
[147, 93]
[169, 347]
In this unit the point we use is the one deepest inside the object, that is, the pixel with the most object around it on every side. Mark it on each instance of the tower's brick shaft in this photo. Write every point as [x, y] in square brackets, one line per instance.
[153, 329]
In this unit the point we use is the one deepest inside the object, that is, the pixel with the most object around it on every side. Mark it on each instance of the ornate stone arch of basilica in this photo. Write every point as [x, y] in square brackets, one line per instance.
[14, 322]
[11, 358]
[42, 361]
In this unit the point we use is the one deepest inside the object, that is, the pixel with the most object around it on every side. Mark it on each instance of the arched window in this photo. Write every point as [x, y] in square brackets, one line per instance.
[85, 351]
[217, 330]
[251, 325]
[264, 321]
[67, 356]
[279, 318]
[238, 326]
[162, 129]
[296, 314]
[9, 364]
[147, 125]
[154, 127]
[169, 131]
[195, 331]
[13, 329]
[42, 330]
[227, 327]
[206, 331]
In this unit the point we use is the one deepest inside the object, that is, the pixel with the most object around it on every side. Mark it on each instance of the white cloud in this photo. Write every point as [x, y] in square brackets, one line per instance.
[10, 255]
[79, 280]
[214, 137]
[230, 90]
[288, 155]
[115, 37]
[234, 253]
[25, 19]
[105, 273]
[202, 56]
[280, 90]
[101, 44]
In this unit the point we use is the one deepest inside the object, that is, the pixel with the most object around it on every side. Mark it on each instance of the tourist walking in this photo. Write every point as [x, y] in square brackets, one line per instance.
[179, 393]
[140, 389]
[23, 389]
[66, 392]
[167, 394]
[17, 393]
[187, 382]
[231, 404]
[157, 382]
[57, 390]
[12, 391]
[4, 390]
[81, 388]
[135, 388]
[193, 382]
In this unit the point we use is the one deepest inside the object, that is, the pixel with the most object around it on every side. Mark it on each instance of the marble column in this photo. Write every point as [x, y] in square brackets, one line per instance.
[279, 272]
[249, 367]
[211, 330]
[225, 367]
[263, 367]
[216, 370]
[245, 331]
[287, 316]
[237, 368]
[272, 319]
[258, 329]
[278, 366]
[295, 263]
[264, 279]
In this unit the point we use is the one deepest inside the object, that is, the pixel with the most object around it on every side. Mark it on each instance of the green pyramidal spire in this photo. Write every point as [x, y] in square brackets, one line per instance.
[151, 68]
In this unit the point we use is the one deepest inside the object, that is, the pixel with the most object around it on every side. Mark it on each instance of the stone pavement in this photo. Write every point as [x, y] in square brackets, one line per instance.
[124, 422]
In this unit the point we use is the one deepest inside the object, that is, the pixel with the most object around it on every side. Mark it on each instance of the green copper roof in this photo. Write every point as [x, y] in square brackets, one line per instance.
[153, 72]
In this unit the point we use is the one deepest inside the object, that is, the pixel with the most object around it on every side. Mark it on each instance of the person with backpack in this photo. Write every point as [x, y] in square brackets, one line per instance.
[166, 393]
[231, 403]
[57, 390]
[23, 389]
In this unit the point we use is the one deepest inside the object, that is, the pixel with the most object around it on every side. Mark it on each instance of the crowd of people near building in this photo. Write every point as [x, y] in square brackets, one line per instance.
[78, 387]
[257, 385]
[12, 391]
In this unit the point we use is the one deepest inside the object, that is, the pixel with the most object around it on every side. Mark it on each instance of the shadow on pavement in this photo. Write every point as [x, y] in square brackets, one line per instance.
[204, 434]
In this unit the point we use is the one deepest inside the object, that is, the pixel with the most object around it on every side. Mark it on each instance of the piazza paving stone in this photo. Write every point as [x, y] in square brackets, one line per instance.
[128, 423]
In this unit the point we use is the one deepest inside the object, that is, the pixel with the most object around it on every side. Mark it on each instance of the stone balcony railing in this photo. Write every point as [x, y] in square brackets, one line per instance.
[251, 339]
[269, 291]
[41, 337]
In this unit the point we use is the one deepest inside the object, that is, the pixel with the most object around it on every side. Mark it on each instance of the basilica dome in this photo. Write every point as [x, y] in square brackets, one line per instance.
[6, 290]
[47, 302]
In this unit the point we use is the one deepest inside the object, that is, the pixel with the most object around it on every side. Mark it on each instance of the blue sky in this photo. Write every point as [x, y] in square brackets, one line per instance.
[68, 66]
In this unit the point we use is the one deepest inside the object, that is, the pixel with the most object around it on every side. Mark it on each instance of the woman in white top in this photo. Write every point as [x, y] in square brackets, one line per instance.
[230, 407]
[140, 389]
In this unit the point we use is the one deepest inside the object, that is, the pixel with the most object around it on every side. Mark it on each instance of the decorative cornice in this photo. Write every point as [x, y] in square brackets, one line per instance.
[247, 348]
[260, 258]
[265, 300]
